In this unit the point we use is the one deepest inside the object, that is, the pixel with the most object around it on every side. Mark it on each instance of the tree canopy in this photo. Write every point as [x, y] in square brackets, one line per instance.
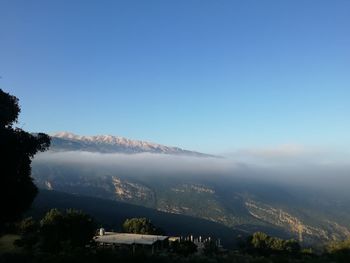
[66, 230]
[140, 226]
[263, 244]
[17, 148]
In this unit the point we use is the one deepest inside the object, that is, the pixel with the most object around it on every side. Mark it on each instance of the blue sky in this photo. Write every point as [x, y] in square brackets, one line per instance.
[212, 76]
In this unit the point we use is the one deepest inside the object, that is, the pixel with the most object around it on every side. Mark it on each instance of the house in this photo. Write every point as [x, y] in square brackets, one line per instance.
[134, 241]
[152, 243]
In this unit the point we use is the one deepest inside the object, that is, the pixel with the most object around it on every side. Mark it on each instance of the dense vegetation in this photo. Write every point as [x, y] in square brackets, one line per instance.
[141, 226]
[56, 231]
[17, 147]
[69, 247]
[261, 244]
[67, 237]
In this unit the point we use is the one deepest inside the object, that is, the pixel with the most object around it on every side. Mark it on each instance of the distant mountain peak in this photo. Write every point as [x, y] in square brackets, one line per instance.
[100, 138]
[65, 134]
[113, 144]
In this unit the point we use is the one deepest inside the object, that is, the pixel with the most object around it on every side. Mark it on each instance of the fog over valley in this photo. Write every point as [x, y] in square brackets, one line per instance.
[298, 168]
[288, 190]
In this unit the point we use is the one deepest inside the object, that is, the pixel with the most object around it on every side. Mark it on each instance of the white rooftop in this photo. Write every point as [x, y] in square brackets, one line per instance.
[128, 239]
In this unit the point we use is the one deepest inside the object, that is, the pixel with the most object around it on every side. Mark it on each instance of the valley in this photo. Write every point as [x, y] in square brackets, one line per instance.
[239, 202]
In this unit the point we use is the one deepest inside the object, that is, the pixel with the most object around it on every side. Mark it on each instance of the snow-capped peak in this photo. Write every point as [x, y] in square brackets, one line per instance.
[108, 139]
[110, 143]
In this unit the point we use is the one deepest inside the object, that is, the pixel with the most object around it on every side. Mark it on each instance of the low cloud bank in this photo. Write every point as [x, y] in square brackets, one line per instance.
[286, 164]
[146, 163]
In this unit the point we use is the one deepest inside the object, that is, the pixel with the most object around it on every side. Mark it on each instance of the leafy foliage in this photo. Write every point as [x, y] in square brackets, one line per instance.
[140, 226]
[261, 243]
[339, 246]
[9, 109]
[66, 230]
[339, 251]
[17, 147]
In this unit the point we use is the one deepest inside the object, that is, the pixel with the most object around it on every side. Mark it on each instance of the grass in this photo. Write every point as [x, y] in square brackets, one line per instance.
[7, 244]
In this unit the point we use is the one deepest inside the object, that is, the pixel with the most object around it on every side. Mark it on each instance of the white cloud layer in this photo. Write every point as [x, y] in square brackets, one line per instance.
[288, 163]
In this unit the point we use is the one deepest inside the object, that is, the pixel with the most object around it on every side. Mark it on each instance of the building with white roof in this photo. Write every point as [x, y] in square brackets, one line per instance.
[133, 240]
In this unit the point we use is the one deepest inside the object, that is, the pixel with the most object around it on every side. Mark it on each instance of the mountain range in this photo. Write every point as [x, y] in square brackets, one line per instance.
[67, 141]
[182, 182]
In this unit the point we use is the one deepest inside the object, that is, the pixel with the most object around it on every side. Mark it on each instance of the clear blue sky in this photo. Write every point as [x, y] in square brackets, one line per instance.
[205, 75]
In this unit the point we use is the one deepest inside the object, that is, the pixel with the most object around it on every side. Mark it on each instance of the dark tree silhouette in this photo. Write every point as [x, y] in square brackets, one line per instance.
[141, 226]
[68, 230]
[17, 148]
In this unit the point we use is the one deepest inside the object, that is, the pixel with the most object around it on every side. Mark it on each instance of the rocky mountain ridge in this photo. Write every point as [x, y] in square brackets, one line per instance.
[67, 141]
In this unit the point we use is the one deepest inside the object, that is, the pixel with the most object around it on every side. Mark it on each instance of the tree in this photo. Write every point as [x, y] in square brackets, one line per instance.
[17, 148]
[141, 226]
[338, 251]
[52, 230]
[71, 229]
[338, 246]
[260, 241]
[262, 244]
